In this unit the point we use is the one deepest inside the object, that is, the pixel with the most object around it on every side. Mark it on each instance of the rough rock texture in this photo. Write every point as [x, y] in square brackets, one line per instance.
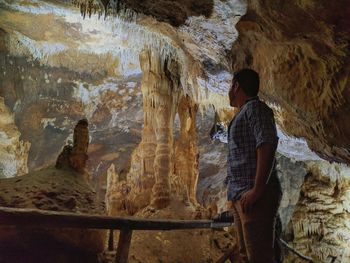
[200, 46]
[75, 156]
[56, 190]
[291, 174]
[60, 188]
[320, 223]
[178, 246]
[57, 68]
[186, 155]
[157, 168]
[45, 102]
[173, 12]
[301, 50]
[13, 151]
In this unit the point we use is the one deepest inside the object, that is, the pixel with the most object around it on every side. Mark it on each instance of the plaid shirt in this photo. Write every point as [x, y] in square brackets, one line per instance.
[252, 126]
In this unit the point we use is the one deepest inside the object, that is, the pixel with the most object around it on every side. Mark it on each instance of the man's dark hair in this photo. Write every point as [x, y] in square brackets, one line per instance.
[248, 80]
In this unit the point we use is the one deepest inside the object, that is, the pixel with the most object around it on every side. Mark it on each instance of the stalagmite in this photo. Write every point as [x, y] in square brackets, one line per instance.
[76, 156]
[186, 150]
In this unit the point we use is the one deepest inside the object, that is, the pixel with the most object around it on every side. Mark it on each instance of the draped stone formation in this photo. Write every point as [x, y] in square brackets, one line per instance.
[186, 151]
[175, 57]
[13, 151]
[161, 169]
[160, 90]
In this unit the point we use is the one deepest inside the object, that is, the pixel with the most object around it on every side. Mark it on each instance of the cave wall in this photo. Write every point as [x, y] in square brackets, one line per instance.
[301, 50]
[13, 151]
[320, 223]
[48, 81]
[41, 102]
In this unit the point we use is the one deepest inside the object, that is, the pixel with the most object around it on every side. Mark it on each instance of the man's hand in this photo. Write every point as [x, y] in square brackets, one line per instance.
[249, 198]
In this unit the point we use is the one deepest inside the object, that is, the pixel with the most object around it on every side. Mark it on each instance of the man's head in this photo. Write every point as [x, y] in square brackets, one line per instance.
[245, 85]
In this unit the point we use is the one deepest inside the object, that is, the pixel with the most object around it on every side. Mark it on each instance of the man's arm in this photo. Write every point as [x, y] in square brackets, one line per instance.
[262, 125]
[265, 157]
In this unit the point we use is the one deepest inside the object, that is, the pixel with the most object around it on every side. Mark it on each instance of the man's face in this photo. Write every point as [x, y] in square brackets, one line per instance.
[232, 94]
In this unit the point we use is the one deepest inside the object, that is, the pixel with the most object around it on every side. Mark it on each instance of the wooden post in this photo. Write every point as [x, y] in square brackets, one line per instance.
[111, 240]
[123, 246]
[229, 255]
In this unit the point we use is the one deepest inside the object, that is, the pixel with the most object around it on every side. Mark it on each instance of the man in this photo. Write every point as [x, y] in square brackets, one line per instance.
[253, 188]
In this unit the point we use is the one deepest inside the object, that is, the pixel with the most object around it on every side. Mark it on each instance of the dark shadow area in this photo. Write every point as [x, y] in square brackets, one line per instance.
[173, 12]
[32, 246]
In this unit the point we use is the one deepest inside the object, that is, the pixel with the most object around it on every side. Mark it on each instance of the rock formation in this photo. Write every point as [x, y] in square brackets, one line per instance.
[175, 12]
[186, 153]
[76, 156]
[60, 188]
[160, 88]
[158, 168]
[320, 222]
[13, 151]
[177, 60]
[301, 50]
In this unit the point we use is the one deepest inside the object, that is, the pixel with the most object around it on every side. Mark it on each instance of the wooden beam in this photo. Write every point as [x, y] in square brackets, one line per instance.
[123, 246]
[34, 217]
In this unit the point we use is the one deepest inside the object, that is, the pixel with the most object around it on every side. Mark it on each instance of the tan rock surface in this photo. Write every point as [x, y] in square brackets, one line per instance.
[64, 68]
[301, 50]
[60, 188]
[321, 219]
[13, 151]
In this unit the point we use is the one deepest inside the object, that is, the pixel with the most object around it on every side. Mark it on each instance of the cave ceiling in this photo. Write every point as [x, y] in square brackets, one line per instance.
[200, 45]
[300, 49]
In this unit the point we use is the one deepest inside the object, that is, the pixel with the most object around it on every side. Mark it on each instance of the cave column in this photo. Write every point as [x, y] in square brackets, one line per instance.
[160, 89]
[186, 150]
[149, 142]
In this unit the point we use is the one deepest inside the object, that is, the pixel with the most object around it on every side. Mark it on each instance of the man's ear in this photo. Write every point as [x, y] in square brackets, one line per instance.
[236, 84]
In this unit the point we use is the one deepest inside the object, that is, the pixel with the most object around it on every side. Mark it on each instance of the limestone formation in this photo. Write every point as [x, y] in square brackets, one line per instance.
[301, 50]
[320, 223]
[175, 12]
[161, 170]
[65, 68]
[186, 152]
[76, 156]
[13, 151]
[56, 190]
[160, 95]
[60, 188]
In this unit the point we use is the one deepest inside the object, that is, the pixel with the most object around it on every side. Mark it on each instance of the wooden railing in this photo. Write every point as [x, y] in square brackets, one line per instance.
[52, 219]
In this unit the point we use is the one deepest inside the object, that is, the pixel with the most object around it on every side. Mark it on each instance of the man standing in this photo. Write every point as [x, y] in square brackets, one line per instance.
[253, 188]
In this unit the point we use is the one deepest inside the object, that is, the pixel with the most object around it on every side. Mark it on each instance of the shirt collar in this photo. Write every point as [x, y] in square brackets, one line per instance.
[251, 99]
